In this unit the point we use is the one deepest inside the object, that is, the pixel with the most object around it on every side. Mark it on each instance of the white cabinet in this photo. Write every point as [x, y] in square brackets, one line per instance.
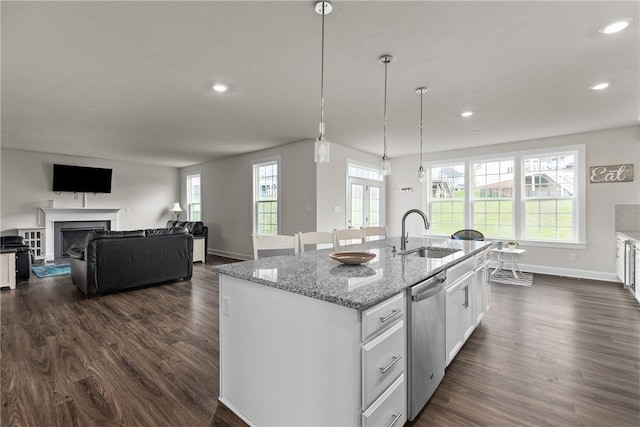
[637, 283]
[620, 264]
[8, 270]
[459, 313]
[287, 359]
[388, 410]
[34, 237]
[384, 397]
[199, 251]
[482, 290]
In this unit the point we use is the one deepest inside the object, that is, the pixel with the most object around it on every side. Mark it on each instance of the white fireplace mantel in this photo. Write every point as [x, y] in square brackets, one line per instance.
[52, 215]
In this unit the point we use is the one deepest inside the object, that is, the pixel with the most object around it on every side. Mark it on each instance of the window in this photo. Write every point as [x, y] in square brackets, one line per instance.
[366, 196]
[549, 197]
[194, 206]
[447, 198]
[265, 196]
[493, 195]
[536, 195]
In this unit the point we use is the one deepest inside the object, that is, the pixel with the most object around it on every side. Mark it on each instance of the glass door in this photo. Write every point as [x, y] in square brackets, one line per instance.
[366, 201]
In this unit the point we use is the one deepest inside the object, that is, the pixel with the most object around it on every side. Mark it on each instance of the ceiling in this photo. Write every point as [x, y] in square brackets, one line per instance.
[132, 80]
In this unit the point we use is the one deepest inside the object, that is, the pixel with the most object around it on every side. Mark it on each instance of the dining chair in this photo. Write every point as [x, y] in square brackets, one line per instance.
[467, 234]
[321, 239]
[271, 243]
[348, 236]
[374, 233]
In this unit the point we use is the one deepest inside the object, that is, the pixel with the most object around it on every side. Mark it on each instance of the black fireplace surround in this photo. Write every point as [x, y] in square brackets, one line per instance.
[69, 234]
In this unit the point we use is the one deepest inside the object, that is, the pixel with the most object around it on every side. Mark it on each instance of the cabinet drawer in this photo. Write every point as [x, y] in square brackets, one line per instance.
[383, 359]
[388, 410]
[381, 316]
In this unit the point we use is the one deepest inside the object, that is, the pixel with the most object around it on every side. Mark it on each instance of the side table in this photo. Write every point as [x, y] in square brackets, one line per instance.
[8, 268]
[511, 256]
[199, 251]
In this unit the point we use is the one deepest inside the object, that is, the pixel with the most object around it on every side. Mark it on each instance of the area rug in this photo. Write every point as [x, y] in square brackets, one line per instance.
[49, 270]
[506, 277]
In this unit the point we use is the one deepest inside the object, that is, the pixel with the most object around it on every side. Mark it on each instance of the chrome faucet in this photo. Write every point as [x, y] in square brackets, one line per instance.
[404, 238]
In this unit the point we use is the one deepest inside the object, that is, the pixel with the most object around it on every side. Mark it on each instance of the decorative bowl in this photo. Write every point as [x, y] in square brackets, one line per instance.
[352, 258]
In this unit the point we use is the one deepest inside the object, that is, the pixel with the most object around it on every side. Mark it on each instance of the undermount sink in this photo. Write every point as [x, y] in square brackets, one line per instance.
[430, 252]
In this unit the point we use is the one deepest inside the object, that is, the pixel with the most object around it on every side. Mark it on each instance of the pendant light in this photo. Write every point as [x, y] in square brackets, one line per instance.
[421, 175]
[322, 145]
[385, 163]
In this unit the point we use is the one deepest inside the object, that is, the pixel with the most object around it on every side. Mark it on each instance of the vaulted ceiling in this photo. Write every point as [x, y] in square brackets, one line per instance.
[132, 80]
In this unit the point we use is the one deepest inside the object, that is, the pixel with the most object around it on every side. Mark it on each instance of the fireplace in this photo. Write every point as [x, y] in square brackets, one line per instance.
[73, 233]
[106, 217]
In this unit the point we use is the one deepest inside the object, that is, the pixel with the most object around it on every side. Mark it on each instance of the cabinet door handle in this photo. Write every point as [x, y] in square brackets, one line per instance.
[465, 304]
[390, 315]
[396, 417]
[394, 360]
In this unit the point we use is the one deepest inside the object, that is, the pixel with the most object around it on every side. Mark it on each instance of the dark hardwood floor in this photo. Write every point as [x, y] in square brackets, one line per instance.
[562, 353]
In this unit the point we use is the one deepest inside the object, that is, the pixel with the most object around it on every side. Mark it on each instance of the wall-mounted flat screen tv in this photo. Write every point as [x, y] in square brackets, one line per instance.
[81, 179]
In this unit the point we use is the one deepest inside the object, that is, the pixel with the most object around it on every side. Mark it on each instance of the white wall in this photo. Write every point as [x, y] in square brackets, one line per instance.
[227, 196]
[332, 186]
[605, 147]
[143, 192]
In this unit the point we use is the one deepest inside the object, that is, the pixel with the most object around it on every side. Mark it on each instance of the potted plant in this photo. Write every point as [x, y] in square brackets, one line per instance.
[512, 244]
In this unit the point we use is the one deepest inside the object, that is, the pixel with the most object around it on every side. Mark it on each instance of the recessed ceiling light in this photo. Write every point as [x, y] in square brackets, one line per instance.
[614, 27]
[600, 86]
[219, 87]
[467, 114]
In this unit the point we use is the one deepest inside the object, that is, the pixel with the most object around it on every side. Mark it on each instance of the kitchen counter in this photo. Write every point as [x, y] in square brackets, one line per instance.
[314, 274]
[633, 235]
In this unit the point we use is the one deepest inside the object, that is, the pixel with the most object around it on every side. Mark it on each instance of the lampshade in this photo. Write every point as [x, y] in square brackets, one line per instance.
[176, 207]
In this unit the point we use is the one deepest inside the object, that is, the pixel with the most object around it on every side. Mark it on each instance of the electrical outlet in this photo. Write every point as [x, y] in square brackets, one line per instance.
[574, 257]
[226, 306]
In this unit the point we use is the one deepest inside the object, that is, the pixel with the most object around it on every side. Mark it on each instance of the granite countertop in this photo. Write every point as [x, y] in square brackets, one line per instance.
[633, 235]
[315, 275]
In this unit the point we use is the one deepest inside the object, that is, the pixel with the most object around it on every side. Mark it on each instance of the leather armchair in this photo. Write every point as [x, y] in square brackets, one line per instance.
[195, 228]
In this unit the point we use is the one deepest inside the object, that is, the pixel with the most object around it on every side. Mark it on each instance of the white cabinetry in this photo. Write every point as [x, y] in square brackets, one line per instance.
[637, 283]
[384, 397]
[34, 237]
[482, 290]
[620, 264]
[199, 250]
[8, 270]
[287, 359]
[459, 313]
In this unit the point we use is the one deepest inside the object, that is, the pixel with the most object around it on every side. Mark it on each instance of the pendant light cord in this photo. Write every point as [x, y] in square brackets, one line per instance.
[322, 76]
[386, 62]
[421, 116]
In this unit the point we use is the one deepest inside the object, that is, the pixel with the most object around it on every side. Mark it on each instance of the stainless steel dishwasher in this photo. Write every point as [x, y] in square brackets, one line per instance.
[426, 341]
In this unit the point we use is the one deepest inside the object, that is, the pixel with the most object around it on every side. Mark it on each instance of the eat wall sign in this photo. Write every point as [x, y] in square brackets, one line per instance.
[611, 173]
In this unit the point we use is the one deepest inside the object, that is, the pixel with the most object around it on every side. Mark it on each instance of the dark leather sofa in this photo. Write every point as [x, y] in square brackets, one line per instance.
[196, 229]
[113, 261]
[24, 255]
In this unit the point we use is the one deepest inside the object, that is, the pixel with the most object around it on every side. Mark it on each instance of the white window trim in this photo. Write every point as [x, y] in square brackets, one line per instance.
[580, 187]
[188, 203]
[254, 183]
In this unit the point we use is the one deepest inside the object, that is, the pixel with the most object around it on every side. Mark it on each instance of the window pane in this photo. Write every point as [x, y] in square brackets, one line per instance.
[493, 193]
[266, 194]
[447, 198]
[549, 197]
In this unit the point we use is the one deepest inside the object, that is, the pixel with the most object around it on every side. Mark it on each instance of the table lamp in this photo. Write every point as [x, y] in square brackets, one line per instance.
[176, 209]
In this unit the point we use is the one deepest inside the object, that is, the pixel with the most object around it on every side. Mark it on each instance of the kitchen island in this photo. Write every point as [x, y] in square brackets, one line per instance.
[305, 340]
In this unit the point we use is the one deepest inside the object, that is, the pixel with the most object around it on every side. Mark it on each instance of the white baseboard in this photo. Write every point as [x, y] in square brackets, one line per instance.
[566, 272]
[227, 254]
